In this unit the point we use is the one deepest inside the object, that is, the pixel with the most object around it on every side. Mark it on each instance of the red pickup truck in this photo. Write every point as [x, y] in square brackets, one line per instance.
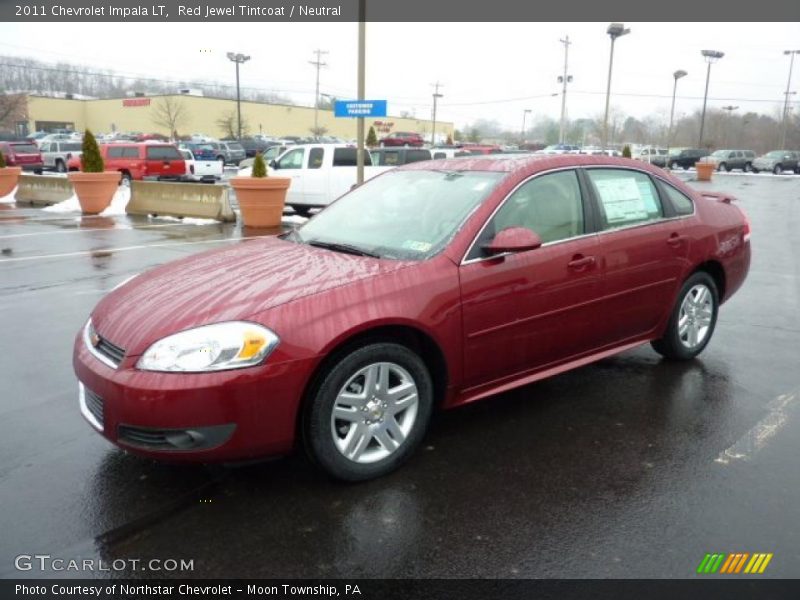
[140, 161]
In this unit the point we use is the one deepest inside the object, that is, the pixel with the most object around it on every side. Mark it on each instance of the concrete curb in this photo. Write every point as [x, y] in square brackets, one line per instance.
[43, 191]
[180, 200]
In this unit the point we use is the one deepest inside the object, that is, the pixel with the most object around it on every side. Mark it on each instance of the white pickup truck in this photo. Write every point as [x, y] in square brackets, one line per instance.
[320, 173]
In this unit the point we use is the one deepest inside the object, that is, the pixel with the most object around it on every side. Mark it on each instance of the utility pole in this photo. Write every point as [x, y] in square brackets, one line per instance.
[676, 75]
[564, 80]
[436, 96]
[319, 64]
[710, 56]
[239, 59]
[791, 53]
[525, 113]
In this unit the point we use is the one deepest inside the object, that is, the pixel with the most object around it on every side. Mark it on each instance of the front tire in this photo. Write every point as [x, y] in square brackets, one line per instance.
[369, 412]
[61, 167]
[722, 167]
[692, 321]
[777, 170]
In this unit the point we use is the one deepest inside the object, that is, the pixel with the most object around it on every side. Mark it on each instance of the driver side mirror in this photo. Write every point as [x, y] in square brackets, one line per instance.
[273, 164]
[511, 240]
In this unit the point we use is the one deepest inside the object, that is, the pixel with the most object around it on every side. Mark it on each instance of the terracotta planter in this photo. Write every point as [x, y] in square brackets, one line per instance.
[9, 176]
[704, 171]
[261, 199]
[95, 190]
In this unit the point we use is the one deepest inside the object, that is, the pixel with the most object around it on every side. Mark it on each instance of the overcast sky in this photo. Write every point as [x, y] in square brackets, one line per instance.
[488, 70]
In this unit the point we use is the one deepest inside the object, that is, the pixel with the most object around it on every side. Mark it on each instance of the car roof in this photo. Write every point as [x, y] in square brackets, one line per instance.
[511, 163]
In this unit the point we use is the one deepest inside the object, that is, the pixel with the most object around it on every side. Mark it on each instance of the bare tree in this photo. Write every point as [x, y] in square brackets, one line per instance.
[229, 124]
[170, 113]
[13, 108]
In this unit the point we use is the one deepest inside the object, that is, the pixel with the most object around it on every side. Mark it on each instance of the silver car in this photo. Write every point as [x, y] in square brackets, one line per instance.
[778, 161]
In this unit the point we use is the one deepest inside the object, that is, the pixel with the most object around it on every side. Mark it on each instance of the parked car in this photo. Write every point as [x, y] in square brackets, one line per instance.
[778, 161]
[394, 157]
[205, 171]
[228, 153]
[253, 146]
[686, 158]
[654, 156]
[271, 153]
[403, 138]
[421, 288]
[727, 160]
[200, 151]
[140, 161]
[53, 137]
[22, 154]
[56, 155]
[437, 153]
[561, 149]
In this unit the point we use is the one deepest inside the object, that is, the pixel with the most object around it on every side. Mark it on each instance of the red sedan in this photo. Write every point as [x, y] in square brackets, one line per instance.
[403, 138]
[431, 286]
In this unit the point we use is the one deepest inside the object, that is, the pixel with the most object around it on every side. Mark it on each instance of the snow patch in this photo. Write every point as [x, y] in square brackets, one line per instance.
[294, 219]
[10, 198]
[116, 208]
[184, 220]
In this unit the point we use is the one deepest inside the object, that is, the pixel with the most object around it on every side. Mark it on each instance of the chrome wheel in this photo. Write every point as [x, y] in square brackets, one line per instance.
[694, 319]
[374, 412]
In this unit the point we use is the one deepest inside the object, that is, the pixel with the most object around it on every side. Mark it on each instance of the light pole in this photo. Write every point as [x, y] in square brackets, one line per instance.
[525, 113]
[436, 96]
[614, 30]
[362, 86]
[711, 57]
[239, 59]
[676, 75]
[791, 53]
[565, 79]
[729, 109]
[319, 64]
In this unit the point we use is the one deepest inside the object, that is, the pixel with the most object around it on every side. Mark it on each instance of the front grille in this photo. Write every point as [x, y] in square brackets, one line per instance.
[112, 352]
[147, 438]
[196, 438]
[94, 404]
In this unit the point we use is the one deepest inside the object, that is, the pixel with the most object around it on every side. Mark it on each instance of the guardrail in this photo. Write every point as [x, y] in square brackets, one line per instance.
[42, 191]
[180, 200]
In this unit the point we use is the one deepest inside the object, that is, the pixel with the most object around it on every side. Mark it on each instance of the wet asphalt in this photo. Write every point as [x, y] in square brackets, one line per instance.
[610, 470]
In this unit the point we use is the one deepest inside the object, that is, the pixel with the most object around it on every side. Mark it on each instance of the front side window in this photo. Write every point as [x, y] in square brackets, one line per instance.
[292, 159]
[315, 158]
[130, 152]
[549, 205]
[625, 197]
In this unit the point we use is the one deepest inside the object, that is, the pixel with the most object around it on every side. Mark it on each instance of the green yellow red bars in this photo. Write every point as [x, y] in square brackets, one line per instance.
[734, 562]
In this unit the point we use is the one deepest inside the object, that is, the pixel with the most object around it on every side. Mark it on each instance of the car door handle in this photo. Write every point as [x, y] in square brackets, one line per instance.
[675, 239]
[580, 262]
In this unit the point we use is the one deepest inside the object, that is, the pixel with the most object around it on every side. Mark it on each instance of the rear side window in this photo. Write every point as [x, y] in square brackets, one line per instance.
[115, 152]
[163, 153]
[389, 158]
[25, 148]
[625, 197]
[681, 202]
[315, 157]
[71, 147]
[346, 157]
[417, 155]
[130, 152]
[439, 155]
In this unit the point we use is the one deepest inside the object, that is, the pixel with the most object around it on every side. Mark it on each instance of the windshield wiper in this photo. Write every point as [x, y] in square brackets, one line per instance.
[346, 248]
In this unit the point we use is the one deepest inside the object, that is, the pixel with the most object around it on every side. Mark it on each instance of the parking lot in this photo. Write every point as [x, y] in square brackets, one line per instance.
[630, 467]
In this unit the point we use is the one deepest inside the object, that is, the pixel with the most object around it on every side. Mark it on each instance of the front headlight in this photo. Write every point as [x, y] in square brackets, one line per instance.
[218, 347]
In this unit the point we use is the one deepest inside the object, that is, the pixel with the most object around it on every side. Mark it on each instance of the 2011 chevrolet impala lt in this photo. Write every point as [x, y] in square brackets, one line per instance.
[432, 285]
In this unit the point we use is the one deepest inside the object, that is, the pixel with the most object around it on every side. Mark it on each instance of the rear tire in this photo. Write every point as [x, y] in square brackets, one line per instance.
[369, 412]
[61, 167]
[692, 321]
[748, 167]
[777, 170]
[302, 211]
[723, 167]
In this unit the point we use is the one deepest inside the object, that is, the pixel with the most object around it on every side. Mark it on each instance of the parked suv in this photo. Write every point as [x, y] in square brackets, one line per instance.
[727, 160]
[141, 161]
[686, 158]
[22, 154]
[229, 153]
[403, 138]
[778, 161]
[56, 155]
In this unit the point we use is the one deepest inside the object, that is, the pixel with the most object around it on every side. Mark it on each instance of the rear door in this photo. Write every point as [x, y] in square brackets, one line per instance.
[643, 251]
[164, 162]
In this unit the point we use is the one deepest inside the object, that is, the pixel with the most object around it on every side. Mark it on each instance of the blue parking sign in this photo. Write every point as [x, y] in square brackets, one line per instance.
[360, 108]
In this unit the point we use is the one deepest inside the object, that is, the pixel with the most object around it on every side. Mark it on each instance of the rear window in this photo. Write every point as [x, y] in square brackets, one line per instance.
[130, 152]
[24, 148]
[417, 155]
[346, 157]
[680, 201]
[235, 146]
[163, 153]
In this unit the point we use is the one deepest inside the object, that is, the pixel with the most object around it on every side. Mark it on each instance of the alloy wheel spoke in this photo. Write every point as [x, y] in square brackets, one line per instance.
[350, 399]
[394, 429]
[385, 440]
[351, 414]
[356, 442]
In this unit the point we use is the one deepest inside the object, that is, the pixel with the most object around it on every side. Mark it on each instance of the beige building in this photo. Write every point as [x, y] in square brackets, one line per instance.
[201, 114]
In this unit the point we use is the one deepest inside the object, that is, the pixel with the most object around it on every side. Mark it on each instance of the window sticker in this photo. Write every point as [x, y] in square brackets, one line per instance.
[417, 246]
[622, 199]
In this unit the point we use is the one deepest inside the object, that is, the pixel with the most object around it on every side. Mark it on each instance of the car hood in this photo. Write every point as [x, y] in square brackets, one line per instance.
[226, 284]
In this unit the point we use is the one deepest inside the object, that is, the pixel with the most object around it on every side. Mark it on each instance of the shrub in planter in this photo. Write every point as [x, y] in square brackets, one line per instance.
[261, 198]
[626, 151]
[372, 138]
[9, 177]
[94, 186]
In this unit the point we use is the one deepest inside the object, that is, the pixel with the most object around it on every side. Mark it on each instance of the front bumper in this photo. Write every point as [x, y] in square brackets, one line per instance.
[224, 416]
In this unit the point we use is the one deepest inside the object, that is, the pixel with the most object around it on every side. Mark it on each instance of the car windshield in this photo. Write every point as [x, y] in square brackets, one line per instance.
[401, 214]
[775, 154]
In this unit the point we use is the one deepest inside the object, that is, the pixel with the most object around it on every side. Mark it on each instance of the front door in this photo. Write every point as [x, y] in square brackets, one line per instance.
[528, 310]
